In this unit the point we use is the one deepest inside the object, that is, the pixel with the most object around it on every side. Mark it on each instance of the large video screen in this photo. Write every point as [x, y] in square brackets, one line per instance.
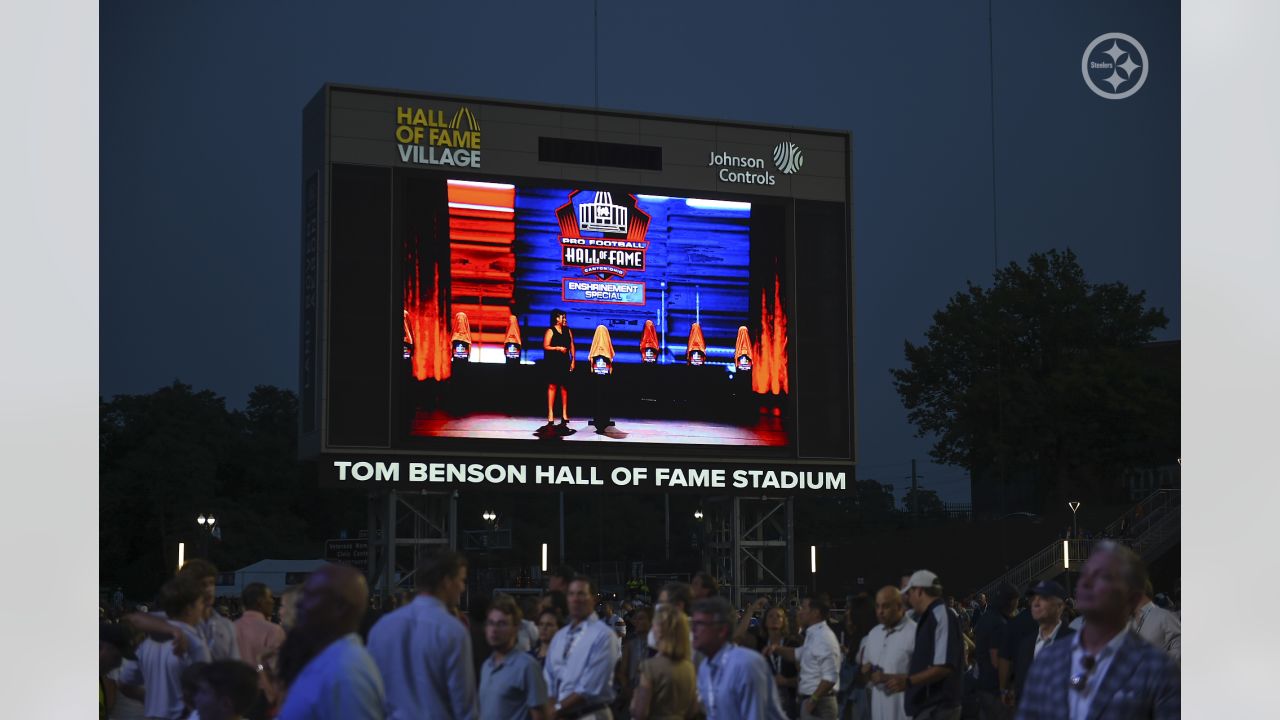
[640, 319]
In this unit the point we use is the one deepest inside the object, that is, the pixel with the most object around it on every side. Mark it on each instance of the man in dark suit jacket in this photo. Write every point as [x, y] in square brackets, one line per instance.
[1104, 672]
[1047, 601]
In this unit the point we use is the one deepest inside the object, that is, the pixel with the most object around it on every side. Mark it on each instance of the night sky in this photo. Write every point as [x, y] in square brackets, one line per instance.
[200, 153]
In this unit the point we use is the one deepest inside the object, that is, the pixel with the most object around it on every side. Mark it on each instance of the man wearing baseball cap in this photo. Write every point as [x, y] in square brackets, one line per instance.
[1104, 671]
[934, 681]
[1047, 601]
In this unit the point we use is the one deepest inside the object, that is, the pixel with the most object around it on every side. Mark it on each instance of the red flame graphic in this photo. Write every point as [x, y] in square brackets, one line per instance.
[425, 325]
[769, 374]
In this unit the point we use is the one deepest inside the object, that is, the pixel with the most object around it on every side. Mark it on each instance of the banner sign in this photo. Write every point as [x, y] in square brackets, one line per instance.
[618, 292]
[691, 478]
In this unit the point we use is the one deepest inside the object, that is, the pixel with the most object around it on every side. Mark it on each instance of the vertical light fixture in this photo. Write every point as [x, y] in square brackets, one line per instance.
[544, 557]
[813, 559]
[182, 554]
[1066, 554]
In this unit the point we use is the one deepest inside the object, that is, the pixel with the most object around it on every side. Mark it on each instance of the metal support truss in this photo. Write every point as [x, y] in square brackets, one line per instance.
[399, 524]
[749, 543]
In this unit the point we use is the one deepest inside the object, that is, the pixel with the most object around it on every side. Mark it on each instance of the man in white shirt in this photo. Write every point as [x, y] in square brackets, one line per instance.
[1157, 625]
[159, 669]
[218, 632]
[887, 651]
[818, 659]
[581, 659]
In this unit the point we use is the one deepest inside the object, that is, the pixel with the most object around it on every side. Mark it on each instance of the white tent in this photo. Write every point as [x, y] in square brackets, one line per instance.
[278, 575]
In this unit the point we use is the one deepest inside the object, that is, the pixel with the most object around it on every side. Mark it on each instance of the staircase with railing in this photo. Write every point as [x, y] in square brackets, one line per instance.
[1151, 528]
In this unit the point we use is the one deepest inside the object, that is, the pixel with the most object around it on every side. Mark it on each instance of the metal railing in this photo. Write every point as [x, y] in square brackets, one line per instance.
[1138, 519]
[1150, 527]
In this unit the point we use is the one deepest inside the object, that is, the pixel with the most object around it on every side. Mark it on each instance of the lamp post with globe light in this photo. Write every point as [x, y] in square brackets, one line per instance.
[206, 522]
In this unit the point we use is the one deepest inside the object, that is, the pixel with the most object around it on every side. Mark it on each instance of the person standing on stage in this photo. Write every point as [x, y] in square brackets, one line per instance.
[557, 346]
[580, 662]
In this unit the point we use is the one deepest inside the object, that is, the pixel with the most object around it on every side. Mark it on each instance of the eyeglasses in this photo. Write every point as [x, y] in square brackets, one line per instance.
[1080, 681]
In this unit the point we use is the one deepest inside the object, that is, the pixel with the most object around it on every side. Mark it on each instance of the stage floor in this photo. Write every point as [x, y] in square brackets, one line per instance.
[768, 431]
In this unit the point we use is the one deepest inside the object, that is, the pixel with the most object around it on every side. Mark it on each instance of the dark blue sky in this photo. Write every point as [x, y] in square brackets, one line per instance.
[200, 152]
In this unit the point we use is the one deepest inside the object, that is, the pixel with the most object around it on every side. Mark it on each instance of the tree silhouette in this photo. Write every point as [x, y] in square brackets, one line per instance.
[929, 502]
[1042, 375]
[168, 456]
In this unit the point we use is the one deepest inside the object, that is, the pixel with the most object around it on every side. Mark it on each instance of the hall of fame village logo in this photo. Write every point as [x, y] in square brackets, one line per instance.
[427, 136]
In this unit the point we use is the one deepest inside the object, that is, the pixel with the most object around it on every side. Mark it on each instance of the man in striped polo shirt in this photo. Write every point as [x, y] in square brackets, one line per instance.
[934, 681]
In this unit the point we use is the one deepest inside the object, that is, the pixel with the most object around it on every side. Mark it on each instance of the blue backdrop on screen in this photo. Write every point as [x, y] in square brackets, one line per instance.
[696, 268]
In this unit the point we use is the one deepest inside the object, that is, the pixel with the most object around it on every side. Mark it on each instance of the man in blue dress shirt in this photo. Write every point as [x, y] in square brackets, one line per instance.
[734, 683]
[581, 659]
[424, 651]
[511, 684]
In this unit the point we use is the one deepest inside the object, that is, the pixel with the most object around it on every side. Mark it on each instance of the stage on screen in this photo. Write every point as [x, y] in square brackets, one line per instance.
[674, 309]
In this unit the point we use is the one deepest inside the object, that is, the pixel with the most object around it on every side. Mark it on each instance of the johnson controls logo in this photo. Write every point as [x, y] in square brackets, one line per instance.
[787, 157]
[1114, 66]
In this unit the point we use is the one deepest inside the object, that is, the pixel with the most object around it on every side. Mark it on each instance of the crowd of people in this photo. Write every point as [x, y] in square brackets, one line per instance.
[323, 650]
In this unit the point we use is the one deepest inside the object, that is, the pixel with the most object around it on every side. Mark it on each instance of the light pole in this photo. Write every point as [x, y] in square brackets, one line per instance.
[813, 568]
[206, 523]
[1066, 550]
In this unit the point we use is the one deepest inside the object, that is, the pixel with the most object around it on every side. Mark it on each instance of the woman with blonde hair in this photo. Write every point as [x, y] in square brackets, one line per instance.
[773, 629]
[668, 681]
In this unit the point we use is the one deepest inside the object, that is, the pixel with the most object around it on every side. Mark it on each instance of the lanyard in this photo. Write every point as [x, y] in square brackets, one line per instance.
[715, 686]
[1143, 618]
[573, 637]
